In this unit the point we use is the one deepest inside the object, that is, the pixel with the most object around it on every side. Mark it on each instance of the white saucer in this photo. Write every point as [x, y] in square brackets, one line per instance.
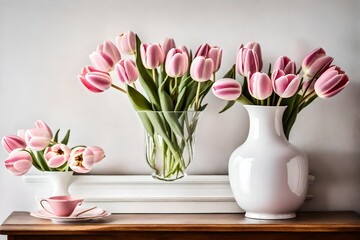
[96, 213]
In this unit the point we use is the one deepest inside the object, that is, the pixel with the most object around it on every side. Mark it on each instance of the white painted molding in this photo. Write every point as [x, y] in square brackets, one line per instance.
[143, 194]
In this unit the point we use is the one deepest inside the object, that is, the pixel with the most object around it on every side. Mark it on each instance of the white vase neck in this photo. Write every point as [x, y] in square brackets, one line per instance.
[266, 122]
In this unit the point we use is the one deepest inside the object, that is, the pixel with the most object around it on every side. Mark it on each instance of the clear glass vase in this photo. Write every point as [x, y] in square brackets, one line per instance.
[170, 140]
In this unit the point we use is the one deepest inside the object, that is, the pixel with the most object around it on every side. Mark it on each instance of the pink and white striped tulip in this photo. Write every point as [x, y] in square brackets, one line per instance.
[287, 85]
[152, 55]
[57, 155]
[127, 71]
[331, 82]
[203, 50]
[285, 64]
[81, 159]
[168, 44]
[249, 59]
[43, 125]
[18, 162]
[126, 43]
[227, 89]
[99, 153]
[177, 63]
[185, 50]
[201, 69]
[95, 80]
[215, 53]
[12, 142]
[105, 56]
[259, 85]
[316, 62]
[37, 138]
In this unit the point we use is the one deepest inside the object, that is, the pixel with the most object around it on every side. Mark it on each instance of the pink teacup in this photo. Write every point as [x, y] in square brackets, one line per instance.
[62, 206]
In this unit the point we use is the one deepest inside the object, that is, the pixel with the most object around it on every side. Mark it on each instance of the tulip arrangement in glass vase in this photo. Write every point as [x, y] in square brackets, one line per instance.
[283, 85]
[166, 87]
[39, 148]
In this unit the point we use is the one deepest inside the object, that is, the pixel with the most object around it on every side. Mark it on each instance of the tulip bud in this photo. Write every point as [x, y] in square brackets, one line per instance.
[127, 71]
[286, 86]
[176, 63]
[315, 62]
[57, 155]
[256, 48]
[12, 142]
[331, 82]
[18, 162]
[43, 125]
[249, 59]
[185, 50]
[203, 50]
[227, 89]
[126, 43]
[152, 55]
[94, 80]
[81, 159]
[215, 53]
[260, 85]
[105, 56]
[285, 64]
[99, 153]
[168, 44]
[37, 138]
[201, 69]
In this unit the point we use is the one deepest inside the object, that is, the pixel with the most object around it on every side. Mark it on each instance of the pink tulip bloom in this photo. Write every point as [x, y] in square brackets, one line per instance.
[286, 86]
[285, 64]
[227, 89]
[95, 80]
[37, 138]
[12, 142]
[126, 43]
[21, 133]
[185, 50]
[168, 44]
[201, 69]
[215, 53]
[127, 71]
[316, 61]
[81, 159]
[248, 59]
[176, 63]
[99, 153]
[57, 155]
[331, 82]
[18, 162]
[105, 56]
[43, 125]
[259, 85]
[203, 50]
[152, 55]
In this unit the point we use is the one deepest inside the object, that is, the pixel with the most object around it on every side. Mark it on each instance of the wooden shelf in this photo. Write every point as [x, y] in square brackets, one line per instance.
[309, 225]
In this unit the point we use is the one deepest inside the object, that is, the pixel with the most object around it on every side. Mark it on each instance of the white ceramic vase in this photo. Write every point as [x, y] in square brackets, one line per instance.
[60, 182]
[268, 175]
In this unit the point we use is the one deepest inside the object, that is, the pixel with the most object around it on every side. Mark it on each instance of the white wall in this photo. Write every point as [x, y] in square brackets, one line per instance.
[44, 45]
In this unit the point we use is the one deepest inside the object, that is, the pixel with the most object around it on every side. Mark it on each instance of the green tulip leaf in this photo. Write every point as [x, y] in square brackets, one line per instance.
[66, 138]
[146, 122]
[56, 135]
[228, 105]
[139, 102]
[180, 100]
[230, 73]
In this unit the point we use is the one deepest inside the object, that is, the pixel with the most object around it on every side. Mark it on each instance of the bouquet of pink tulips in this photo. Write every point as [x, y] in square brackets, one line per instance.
[38, 147]
[284, 85]
[172, 81]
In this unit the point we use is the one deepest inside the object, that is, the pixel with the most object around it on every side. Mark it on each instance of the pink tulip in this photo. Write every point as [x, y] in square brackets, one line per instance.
[305, 87]
[176, 63]
[127, 71]
[57, 155]
[259, 85]
[43, 125]
[95, 80]
[12, 142]
[126, 43]
[201, 69]
[215, 53]
[105, 56]
[203, 50]
[227, 89]
[316, 61]
[168, 44]
[37, 138]
[331, 82]
[285, 64]
[18, 162]
[81, 159]
[152, 55]
[21, 133]
[99, 153]
[185, 50]
[249, 59]
[287, 85]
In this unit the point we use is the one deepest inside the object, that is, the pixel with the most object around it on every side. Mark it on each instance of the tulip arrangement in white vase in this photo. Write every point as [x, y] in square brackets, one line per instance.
[174, 86]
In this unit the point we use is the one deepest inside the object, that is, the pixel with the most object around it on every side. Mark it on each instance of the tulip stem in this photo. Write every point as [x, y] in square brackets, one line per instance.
[134, 85]
[307, 97]
[214, 77]
[278, 103]
[154, 75]
[118, 88]
[268, 101]
[197, 96]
